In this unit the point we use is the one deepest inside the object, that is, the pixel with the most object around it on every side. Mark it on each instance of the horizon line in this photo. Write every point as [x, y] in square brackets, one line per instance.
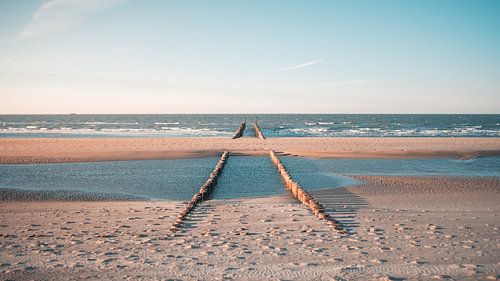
[261, 113]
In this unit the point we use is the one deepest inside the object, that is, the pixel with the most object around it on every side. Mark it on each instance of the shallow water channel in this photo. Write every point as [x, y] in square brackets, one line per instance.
[243, 176]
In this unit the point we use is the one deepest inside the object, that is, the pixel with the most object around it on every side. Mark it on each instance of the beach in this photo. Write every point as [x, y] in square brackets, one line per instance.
[426, 230]
[59, 150]
[396, 227]
[249, 140]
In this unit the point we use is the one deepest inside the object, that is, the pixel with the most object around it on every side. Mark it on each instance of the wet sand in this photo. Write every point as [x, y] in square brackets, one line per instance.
[13, 194]
[409, 227]
[54, 150]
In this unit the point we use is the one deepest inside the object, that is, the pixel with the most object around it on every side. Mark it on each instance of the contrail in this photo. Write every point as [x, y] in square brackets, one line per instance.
[299, 65]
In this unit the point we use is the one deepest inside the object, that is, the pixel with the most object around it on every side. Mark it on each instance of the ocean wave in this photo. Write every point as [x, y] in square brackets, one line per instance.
[107, 123]
[275, 126]
[304, 131]
[167, 123]
[185, 129]
[279, 131]
[319, 123]
[165, 131]
[25, 123]
[384, 132]
[193, 131]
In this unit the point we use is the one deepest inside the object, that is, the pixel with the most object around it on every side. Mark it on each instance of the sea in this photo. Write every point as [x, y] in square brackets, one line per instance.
[272, 125]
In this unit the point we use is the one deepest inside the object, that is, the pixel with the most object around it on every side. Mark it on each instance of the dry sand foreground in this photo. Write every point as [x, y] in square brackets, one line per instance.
[410, 227]
[48, 150]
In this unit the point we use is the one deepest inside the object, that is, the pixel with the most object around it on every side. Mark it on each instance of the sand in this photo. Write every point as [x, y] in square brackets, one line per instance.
[400, 227]
[53, 150]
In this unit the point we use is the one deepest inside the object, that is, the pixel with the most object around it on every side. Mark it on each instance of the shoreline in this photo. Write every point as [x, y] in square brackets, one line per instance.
[63, 150]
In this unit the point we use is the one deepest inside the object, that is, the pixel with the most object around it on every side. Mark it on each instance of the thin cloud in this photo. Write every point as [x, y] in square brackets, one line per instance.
[346, 82]
[57, 15]
[298, 65]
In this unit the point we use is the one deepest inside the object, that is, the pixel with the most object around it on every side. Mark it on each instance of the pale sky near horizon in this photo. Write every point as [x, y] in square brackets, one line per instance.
[130, 56]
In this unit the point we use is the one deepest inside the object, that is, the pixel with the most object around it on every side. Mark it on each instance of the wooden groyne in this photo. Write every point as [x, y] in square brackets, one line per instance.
[204, 192]
[240, 130]
[303, 196]
[258, 132]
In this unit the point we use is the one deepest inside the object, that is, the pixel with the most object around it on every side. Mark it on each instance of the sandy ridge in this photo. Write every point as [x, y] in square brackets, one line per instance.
[57, 150]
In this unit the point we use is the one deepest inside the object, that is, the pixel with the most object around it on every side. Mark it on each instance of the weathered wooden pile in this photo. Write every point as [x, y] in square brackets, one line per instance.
[203, 193]
[302, 195]
[258, 132]
[241, 129]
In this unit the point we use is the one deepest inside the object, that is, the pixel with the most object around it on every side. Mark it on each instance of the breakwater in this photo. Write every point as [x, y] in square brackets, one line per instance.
[258, 132]
[204, 192]
[241, 129]
[302, 195]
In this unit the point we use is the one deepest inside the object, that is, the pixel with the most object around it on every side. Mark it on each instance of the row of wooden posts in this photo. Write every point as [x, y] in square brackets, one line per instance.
[296, 190]
[302, 195]
[258, 132]
[241, 129]
[204, 192]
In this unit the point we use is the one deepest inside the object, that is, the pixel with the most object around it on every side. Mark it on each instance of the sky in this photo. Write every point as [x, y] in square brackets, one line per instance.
[262, 56]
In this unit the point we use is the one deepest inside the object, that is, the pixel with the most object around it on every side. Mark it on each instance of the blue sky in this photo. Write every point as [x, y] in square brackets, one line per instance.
[126, 56]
